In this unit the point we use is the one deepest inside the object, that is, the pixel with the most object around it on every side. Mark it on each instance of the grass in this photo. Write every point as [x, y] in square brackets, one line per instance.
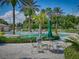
[1, 33]
[16, 40]
[23, 39]
[71, 53]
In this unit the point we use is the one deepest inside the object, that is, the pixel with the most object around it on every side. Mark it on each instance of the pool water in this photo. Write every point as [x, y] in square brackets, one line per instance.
[44, 34]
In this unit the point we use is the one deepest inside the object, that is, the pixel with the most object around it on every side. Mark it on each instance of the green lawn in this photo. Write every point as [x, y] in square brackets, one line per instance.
[16, 40]
[71, 53]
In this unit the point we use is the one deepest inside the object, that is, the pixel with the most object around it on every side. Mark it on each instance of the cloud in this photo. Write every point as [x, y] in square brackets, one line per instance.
[8, 16]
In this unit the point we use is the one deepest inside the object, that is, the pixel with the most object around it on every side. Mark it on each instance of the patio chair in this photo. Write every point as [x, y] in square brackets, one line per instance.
[37, 48]
[34, 48]
[42, 46]
[47, 44]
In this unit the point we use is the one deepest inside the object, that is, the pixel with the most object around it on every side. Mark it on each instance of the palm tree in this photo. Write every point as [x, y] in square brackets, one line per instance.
[40, 20]
[49, 11]
[29, 10]
[74, 41]
[13, 3]
[57, 12]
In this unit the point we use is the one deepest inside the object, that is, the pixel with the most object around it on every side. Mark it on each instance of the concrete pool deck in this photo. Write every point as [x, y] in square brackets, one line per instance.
[24, 51]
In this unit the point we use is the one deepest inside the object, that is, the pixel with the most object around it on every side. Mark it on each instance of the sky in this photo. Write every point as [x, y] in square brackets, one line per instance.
[68, 6]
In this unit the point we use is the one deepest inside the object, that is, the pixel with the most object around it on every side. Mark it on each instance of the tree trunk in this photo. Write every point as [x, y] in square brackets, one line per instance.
[30, 26]
[40, 30]
[13, 20]
[56, 27]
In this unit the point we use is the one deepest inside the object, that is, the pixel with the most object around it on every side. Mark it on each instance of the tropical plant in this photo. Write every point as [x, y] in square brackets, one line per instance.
[2, 33]
[2, 21]
[30, 9]
[13, 3]
[57, 12]
[40, 18]
[72, 51]
[49, 12]
[19, 26]
[74, 41]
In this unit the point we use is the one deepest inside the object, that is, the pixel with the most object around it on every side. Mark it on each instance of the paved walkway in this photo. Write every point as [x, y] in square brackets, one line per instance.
[24, 51]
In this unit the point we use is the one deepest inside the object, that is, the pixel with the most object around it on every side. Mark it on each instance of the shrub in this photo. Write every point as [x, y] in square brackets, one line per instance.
[45, 39]
[56, 37]
[22, 39]
[2, 33]
[74, 41]
[16, 40]
[71, 53]
[3, 39]
[53, 38]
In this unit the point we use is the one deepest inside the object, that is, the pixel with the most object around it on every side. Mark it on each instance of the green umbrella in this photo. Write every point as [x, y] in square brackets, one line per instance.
[49, 29]
[50, 36]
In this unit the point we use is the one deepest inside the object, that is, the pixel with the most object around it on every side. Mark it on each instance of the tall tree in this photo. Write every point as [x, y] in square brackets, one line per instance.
[2, 21]
[40, 18]
[57, 12]
[13, 3]
[49, 11]
[30, 9]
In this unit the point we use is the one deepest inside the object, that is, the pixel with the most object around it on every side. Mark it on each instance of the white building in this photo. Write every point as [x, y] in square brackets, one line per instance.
[4, 27]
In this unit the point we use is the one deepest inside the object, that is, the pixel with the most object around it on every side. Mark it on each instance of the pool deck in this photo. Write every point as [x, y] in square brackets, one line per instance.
[25, 51]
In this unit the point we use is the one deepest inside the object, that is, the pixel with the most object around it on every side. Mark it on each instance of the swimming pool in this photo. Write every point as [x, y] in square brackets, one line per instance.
[44, 34]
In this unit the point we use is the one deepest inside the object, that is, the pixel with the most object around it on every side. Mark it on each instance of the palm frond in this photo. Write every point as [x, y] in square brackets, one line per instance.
[30, 8]
[74, 41]
[2, 2]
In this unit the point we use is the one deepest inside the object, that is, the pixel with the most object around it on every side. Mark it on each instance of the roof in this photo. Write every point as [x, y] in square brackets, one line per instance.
[3, 25]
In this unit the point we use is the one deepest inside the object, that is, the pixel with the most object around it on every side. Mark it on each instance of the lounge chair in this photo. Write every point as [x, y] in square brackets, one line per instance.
[37, 48]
